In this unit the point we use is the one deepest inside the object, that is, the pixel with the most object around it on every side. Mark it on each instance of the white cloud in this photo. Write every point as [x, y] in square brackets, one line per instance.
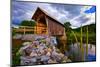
[91, 16]
[75, 15]
[92, 19]
[52, 11]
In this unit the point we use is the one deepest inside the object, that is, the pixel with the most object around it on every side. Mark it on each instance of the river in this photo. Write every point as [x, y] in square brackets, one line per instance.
[76, 55]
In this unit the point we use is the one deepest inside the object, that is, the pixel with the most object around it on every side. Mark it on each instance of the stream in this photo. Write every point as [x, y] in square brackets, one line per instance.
[76, 55]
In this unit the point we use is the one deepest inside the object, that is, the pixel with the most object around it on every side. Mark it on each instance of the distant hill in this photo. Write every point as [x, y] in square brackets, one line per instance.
[91, 28]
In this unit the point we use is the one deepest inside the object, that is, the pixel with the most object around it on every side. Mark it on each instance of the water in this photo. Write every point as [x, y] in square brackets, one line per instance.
[76, 54]
[91, 57]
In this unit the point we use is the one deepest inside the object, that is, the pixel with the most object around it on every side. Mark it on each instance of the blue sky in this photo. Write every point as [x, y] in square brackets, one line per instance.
[77, 14]
[91, 10]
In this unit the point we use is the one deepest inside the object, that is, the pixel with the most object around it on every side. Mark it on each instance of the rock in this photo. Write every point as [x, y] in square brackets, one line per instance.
[68, 60]
[28, 37]
[50, 61]
[61, 55]
[41, 51]
[64, 59]
[48, 54]
[26, 43]
[44, 58]
[17, 36]
[33, 54]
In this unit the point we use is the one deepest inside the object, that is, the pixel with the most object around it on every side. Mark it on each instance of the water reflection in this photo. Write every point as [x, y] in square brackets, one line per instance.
[76, 55]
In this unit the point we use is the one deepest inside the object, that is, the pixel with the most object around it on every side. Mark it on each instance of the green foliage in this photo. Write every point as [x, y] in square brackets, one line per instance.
[67, 26]
[85, 34]
[15, 56]
[69, 30]
[13, 32]
[91, 34]
[28, 23]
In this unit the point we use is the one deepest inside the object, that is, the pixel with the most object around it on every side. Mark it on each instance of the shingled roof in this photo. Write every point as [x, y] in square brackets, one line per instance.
[38, 8]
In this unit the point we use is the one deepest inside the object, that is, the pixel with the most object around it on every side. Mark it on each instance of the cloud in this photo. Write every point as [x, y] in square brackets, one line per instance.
[21, 11]
[83, 18]
[71, 9]
[75, 14]
[79, 20]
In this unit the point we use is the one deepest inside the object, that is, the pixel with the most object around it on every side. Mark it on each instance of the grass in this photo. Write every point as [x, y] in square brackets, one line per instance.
[16, 44]
[15, 57]
[91, 37]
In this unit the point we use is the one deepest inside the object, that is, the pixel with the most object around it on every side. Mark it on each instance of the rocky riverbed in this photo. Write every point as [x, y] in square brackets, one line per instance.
[41, 50]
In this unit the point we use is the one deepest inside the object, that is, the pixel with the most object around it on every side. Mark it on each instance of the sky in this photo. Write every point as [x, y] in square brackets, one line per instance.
[77, 15]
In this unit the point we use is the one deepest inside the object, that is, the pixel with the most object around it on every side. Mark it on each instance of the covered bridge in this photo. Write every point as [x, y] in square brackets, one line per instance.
[46, 24]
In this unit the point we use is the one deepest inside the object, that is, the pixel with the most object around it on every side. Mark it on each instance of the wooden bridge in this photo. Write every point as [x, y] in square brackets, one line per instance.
[35, 29]
[24, 29]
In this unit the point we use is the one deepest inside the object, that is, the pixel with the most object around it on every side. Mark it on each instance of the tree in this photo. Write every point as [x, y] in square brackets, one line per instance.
[67, 30]
[67, 26]
[28, 23]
